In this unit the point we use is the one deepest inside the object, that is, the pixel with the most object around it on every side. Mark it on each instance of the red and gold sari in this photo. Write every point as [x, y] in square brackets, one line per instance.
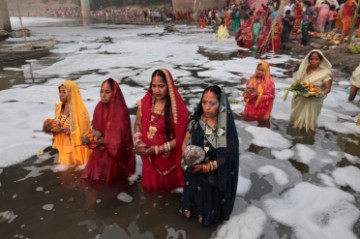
[163, 172]
[260, 109]
[115, 158]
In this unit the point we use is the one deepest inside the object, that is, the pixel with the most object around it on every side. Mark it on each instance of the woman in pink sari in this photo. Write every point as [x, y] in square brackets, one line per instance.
[160, 127]
[323, 16]
[259, 94]
[113, 157]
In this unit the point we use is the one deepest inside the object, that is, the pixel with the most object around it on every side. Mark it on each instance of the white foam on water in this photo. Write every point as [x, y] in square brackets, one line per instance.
[268, 138]
[315, 212]
[248, 225]
[348, 176]
[279, 175]
[124, 197]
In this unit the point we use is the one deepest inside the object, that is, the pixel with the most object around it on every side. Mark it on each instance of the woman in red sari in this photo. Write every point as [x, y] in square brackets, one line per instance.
[113, 158]
[160, 127]
[259, 94]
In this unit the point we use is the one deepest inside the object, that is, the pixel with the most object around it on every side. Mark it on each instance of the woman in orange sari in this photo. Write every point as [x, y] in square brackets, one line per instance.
[113, 157]
[74, 123]
[347, 10]
[160, 127]
[298, 12]
[259, 94]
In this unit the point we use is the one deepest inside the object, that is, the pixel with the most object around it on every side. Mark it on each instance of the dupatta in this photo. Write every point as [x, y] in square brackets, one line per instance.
[324, 64]
[79, 116]
[266, 84]
[179, 114]
[114, 122]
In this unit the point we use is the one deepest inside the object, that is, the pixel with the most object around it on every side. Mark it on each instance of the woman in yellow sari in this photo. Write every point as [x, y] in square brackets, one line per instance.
[74, 123]
[315, 69]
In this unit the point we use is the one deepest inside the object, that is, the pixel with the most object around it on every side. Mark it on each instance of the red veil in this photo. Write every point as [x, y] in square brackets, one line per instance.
[116, 160]
[158, 172]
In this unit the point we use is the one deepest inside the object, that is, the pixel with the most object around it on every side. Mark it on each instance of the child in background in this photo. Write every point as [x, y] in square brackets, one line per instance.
[256, 30]
[331, 19]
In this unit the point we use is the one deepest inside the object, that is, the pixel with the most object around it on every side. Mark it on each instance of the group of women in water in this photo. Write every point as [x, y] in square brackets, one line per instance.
[163, 131]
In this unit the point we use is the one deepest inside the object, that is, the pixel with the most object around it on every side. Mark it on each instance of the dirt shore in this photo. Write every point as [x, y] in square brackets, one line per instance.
[339, 55]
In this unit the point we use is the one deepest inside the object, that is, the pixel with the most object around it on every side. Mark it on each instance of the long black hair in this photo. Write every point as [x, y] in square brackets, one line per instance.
[167, 104]
[214, 89]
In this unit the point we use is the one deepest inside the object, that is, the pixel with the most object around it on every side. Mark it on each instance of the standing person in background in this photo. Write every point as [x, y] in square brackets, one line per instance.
[256, 31]
[259, 94]
[355, 83]
[315, 69]
[323, 16]
[347, 10]
[298, 12]
[210, 186]
[236, 20]
[331, 19]
[113, 157]
[74, 121]
[307, 23]
[287, 22]
[160, 127]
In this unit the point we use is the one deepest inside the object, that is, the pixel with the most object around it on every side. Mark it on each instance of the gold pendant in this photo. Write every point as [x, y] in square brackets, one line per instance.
[206, 149]
[151, 132]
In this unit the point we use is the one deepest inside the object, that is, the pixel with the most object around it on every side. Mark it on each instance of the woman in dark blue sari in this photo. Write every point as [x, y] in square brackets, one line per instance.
[210, 186]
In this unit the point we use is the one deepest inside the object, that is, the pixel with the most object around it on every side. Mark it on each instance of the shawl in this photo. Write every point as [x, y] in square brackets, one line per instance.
[79, 116]
[266, 82]
[301, 73]
[179, 114]
[113, 122]
[227, 148]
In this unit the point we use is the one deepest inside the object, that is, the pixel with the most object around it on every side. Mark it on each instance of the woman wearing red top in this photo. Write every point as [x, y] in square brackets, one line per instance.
[259, 94]
[160, 127]
[113, 158]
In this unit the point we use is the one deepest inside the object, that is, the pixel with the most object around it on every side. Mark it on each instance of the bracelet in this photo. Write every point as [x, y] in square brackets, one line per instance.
[161, 149]
[168, 146]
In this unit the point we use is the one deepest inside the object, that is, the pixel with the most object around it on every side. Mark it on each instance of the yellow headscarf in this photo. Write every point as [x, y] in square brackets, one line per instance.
[79, 116]
[266, 80]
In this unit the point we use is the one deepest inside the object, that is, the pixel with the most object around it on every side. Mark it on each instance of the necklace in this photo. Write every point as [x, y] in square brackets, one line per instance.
[209, 132]
[152, 123]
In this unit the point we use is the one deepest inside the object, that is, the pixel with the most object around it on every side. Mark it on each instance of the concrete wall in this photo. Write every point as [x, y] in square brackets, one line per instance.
[183, 5]
[4, 16]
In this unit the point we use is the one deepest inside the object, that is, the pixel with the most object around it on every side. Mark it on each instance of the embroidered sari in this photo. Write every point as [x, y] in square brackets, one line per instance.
[69, 146]
[305, 110]
[163, 172]
[212, 195]
[260, 109]
[115, 160]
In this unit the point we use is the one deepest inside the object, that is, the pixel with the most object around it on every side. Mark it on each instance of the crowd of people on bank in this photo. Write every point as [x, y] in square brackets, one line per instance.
[197, 153]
